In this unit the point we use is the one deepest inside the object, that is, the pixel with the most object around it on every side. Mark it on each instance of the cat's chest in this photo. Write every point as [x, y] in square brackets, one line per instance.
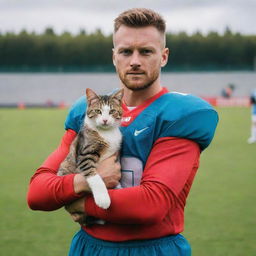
[113, 139]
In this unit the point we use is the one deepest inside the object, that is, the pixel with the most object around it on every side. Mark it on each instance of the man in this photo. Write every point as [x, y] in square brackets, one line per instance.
[252, 139]
[164, 134]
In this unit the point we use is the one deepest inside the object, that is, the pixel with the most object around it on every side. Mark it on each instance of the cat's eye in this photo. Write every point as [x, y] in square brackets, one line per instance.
[97, 111]
[112, 111]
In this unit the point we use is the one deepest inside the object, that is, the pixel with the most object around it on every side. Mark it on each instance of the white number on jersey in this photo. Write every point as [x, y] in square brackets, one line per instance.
[132, 169]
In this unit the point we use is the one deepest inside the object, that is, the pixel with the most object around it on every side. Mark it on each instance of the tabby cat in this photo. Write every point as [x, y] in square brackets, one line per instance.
[98, 139]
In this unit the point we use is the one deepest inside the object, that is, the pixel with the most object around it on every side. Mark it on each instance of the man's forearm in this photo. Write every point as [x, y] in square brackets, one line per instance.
[48, 192]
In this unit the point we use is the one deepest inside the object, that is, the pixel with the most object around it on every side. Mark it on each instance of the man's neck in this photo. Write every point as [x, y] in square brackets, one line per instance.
[135, 98]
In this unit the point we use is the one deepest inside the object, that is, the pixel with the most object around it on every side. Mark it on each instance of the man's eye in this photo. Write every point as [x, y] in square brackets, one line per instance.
[146, 51]
[126, 52]
[97, 111]
[112, 111]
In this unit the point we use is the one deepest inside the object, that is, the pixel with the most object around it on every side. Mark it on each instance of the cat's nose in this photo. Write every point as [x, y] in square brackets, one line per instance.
[105, 121]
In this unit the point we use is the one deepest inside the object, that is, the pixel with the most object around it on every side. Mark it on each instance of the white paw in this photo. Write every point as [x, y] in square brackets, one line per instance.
[102, 200]
[99, 191]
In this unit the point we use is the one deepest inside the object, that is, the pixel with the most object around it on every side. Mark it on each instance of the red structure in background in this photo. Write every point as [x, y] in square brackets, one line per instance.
[228, 102]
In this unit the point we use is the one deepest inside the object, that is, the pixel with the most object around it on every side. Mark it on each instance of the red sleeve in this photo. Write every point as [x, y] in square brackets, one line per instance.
[47, 191]
[170, 168]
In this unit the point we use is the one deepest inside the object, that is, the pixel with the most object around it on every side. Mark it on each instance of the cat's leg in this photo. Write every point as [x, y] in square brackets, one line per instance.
[68, 166]
[99, 191]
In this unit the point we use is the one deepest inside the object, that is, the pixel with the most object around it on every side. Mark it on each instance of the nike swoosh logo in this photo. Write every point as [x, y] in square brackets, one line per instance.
[137, 132]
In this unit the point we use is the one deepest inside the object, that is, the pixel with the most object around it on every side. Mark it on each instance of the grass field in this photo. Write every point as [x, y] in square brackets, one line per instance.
[220, 212]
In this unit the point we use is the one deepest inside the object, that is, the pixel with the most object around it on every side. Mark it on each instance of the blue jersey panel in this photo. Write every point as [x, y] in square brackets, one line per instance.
[188, 117]
[76, 115]
[171, 115]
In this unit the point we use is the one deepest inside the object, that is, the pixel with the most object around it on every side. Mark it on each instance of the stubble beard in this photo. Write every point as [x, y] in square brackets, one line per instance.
[138, 87]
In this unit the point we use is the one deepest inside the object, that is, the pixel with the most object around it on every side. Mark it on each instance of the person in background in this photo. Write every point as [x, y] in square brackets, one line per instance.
[228, 91]
[252, 139]
[164, 134]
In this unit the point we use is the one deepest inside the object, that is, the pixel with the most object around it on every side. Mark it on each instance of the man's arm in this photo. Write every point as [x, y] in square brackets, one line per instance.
[169, 171]
[48, 192]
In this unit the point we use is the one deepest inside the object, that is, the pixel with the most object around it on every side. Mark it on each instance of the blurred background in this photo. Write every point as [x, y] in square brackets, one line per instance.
[51, 51]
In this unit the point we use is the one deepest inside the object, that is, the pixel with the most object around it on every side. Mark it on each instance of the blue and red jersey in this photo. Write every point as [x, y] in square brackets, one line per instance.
[162, 142]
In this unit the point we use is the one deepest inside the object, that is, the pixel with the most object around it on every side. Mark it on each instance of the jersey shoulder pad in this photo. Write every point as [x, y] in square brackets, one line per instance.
[190, 117]
[75, 117]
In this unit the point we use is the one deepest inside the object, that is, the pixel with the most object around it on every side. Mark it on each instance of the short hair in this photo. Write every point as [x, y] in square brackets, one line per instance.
[140, 17]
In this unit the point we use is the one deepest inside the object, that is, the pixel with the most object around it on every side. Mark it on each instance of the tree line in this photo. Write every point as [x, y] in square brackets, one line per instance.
[93, 52]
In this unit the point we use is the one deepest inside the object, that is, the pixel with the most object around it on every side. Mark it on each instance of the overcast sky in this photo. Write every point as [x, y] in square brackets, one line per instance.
[180, 15]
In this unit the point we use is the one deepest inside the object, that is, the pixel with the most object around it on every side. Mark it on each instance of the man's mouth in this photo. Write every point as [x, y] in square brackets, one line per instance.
[135, 73]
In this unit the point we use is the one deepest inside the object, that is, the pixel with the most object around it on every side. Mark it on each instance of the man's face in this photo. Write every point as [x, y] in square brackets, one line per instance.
[138, 56]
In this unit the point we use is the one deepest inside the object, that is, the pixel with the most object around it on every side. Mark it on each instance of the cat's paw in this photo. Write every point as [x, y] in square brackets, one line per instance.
[102, 200]
[99, 191]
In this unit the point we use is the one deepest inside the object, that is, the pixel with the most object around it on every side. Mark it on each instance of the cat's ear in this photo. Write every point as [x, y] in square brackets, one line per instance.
[119, 94]
[91, 96]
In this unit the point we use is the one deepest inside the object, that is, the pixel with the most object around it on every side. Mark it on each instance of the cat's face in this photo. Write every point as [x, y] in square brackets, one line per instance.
[104, 112]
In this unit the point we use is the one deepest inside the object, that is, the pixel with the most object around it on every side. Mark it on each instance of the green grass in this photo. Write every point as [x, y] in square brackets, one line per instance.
[220, 212]
[27, 137]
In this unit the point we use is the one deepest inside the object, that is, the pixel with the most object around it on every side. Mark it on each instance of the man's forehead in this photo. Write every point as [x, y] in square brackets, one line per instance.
[143, 36]
[135, 44]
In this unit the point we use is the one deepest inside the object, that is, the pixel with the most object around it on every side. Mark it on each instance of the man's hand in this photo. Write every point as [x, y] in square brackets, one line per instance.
[110, 171]
[76, 211]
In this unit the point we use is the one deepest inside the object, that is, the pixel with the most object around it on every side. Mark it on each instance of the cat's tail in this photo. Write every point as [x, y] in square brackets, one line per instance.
[99, 191]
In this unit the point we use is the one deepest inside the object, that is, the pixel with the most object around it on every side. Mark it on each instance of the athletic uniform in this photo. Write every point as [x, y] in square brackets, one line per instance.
[252, 139]
[253, 103]
[162, 142]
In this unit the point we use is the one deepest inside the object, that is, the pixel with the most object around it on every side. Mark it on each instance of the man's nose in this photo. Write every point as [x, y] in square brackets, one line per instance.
[135, 60]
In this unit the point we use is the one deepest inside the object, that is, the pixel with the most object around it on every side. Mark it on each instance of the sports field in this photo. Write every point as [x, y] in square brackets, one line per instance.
[220, 213]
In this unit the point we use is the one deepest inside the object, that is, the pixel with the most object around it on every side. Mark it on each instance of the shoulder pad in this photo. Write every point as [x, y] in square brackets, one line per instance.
[189, 117]
[75, 117]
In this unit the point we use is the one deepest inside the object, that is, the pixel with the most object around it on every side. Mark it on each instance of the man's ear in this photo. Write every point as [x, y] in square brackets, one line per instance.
[165, 55]
[113, 57]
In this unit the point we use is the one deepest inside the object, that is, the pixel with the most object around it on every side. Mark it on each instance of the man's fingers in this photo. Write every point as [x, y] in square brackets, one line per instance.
[79, 218]
[76, 206]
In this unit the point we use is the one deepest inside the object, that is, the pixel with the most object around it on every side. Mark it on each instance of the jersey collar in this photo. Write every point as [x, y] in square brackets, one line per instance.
[130, 115]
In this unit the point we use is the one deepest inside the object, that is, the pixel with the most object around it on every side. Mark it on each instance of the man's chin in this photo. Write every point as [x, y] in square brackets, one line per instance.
[137, 86]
